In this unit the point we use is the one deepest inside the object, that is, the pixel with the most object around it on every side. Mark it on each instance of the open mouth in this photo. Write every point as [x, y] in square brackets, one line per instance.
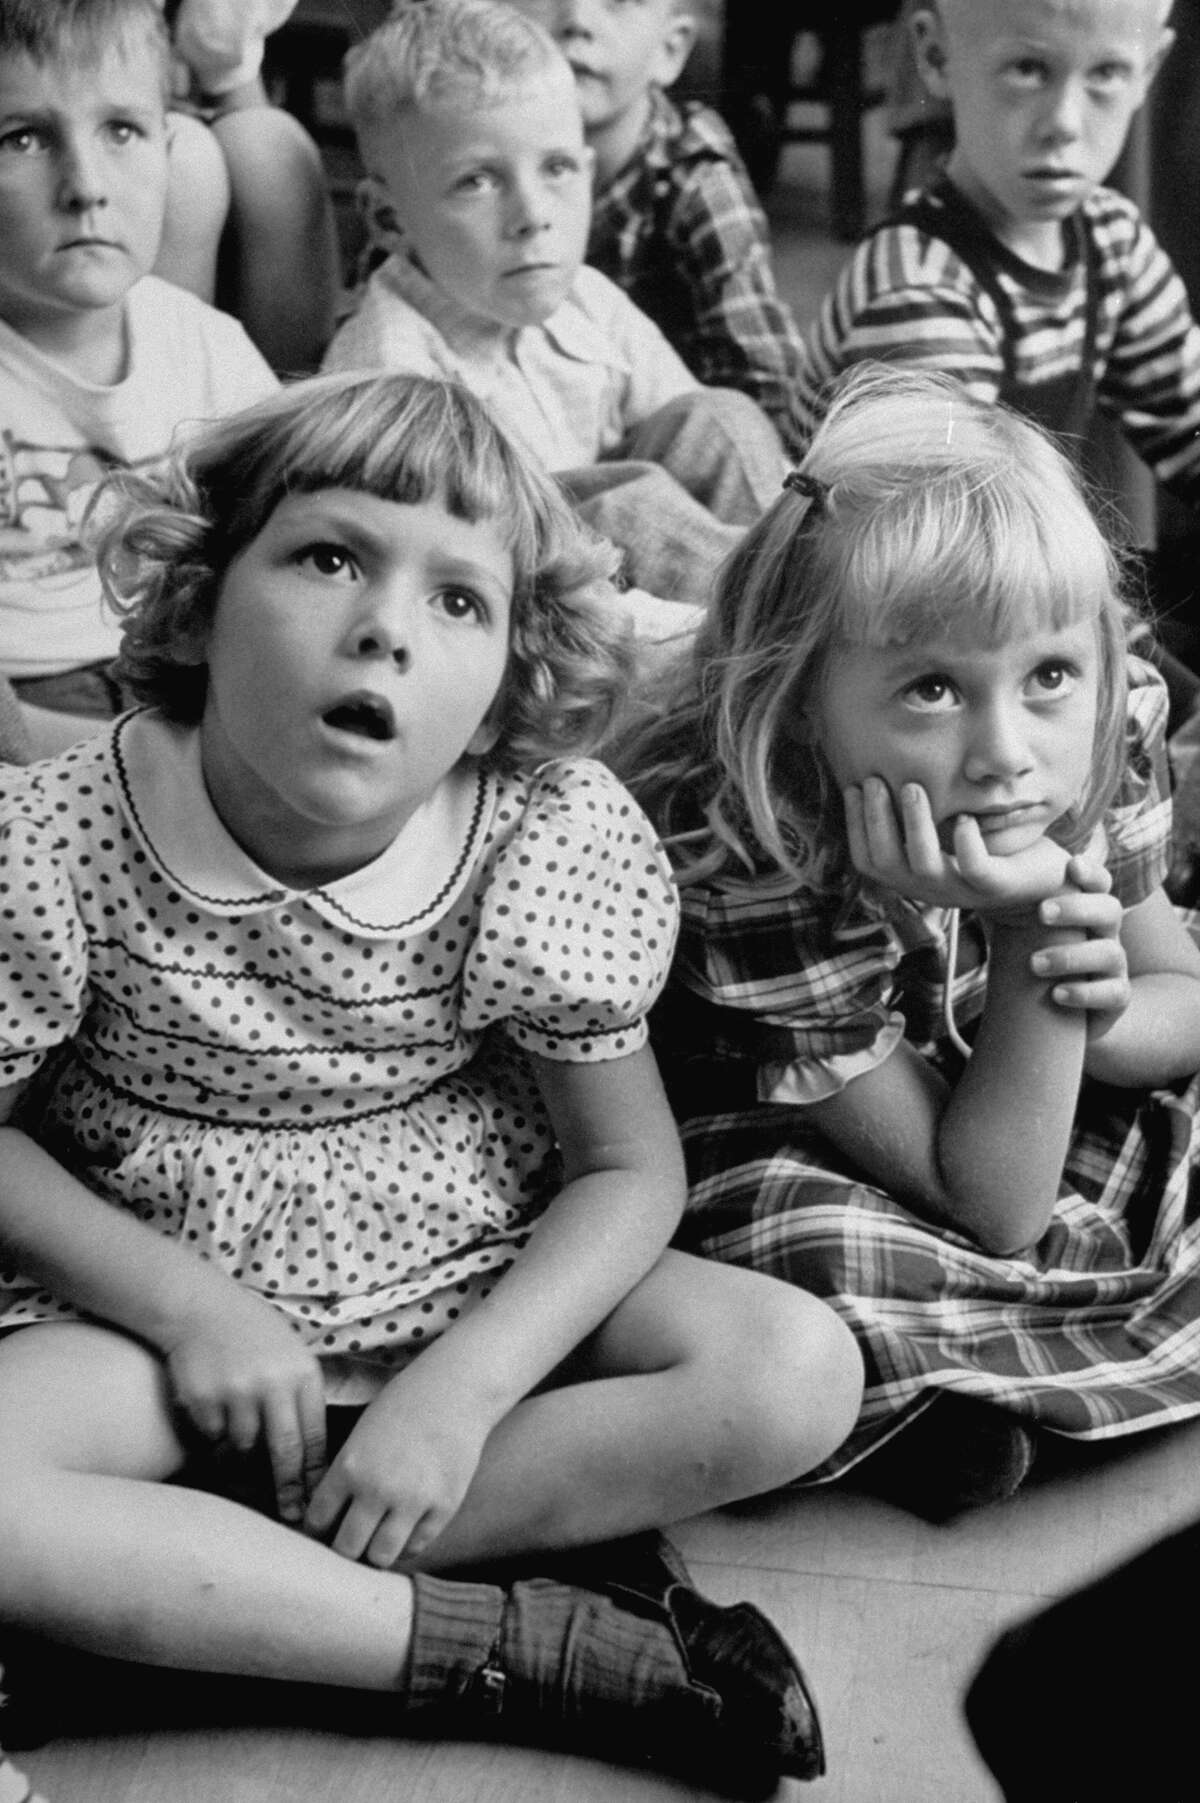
[363, 716]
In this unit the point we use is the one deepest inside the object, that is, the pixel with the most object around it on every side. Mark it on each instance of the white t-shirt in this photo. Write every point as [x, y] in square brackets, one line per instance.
[58, 435]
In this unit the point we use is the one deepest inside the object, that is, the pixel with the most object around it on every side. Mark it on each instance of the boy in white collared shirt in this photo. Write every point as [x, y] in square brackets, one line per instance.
[479, 182]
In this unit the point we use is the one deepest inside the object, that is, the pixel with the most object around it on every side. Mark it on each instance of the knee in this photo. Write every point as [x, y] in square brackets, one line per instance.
[800, 1378]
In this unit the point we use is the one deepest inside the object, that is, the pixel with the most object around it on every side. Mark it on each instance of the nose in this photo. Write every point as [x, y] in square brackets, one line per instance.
[997, 748]
[1062, 121]
[81, 176]
[527, 207]
[382, 633]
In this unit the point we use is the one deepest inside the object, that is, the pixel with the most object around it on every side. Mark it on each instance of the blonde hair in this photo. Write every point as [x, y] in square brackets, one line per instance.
[429, 51]
[165, 539]
[936, 515]
[80, 32]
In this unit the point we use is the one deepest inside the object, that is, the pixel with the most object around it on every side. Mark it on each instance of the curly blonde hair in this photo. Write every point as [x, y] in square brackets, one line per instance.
[165, 538]
[934, 514]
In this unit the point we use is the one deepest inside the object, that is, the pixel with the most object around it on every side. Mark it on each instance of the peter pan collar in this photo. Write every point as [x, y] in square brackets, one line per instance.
[155, 766]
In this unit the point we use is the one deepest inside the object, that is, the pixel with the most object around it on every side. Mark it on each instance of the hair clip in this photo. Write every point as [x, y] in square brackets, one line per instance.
[811, 487]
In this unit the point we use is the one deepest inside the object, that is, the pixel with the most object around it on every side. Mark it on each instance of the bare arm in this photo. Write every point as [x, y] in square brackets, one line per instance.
[985, 1156]
[407, 1466]
[237, 1368]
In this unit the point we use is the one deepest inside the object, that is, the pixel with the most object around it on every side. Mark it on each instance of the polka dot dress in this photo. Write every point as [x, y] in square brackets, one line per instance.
[324, 1092]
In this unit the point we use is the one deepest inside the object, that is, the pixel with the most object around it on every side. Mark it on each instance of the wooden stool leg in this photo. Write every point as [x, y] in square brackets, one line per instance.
[847, 102]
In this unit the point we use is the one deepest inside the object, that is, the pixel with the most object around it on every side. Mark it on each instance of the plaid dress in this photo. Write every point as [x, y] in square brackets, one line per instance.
[779, 998]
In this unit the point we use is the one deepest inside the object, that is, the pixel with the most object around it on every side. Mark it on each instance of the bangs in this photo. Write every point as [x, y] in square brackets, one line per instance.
[407, 440]
[82, 32]
[992, 562]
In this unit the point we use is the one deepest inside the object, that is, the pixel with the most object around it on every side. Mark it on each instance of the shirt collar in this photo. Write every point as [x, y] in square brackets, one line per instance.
[155, 767]
[483, 341]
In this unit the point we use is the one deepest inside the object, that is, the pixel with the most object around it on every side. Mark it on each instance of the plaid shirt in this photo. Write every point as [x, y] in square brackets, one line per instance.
[680, 230]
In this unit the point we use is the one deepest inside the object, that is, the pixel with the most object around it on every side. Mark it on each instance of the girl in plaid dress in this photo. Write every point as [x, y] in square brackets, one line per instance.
[933, 1024]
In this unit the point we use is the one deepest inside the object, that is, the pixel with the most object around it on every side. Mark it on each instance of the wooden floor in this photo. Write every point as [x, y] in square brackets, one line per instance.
[889, 1614]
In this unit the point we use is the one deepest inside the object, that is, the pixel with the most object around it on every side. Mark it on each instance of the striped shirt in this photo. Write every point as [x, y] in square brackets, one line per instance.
[907, 296]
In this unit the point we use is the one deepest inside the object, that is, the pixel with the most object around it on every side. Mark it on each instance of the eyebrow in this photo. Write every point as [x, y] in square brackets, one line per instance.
[325, 518]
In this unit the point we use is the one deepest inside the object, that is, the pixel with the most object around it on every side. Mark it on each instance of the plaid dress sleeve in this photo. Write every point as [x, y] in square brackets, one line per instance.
[1138, 822]
[790, 986]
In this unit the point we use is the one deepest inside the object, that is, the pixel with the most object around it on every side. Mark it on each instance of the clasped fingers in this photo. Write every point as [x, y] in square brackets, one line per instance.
[1090, 973]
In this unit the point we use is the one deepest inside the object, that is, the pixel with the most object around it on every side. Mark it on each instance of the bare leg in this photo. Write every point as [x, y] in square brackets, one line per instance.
[197, 206]
[99, 1552]
[673, 547]
[720, 446]
[706, 1385]
[279, 272]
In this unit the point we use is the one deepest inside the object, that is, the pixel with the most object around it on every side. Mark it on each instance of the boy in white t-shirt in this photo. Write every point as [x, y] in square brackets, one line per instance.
[101, 363]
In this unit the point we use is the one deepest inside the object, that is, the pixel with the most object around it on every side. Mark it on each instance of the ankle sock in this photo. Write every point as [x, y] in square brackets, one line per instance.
[455, 1637]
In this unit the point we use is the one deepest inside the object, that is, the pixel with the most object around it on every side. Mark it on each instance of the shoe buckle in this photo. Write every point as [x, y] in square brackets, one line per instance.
[491, 1682]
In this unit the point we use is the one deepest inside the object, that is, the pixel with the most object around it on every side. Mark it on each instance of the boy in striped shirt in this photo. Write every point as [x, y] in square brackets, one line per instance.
[1017, 269]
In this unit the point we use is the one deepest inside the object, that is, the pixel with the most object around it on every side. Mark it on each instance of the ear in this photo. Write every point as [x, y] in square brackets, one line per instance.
[928, 35]
[675, 46]
[377, 210]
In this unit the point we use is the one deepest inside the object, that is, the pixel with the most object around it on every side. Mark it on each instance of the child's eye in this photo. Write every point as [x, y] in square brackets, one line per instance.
[1025, 72]
[475, 181]
[562, 167]
[931, 694]
[462, 604]
[1107, 77]
[327, 559]
[124, 131]
[1053, 679]
[22, 140]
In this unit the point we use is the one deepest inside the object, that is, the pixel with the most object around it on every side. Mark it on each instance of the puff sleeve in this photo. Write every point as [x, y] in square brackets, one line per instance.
[786, 983]
[43, 948]
[1137, 824]
[577, 921]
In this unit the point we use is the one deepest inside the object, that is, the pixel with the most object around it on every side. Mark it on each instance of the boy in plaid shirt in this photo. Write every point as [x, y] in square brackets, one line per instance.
[675, 221]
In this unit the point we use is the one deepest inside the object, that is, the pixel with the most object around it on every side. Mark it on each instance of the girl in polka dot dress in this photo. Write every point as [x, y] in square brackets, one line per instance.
[326, 1082]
